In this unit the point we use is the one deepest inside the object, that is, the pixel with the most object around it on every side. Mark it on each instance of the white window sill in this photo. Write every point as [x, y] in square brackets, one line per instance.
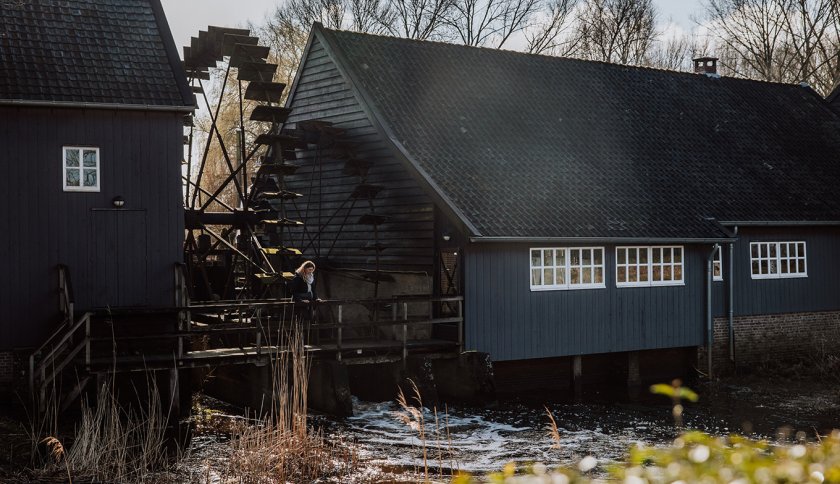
[570, 287]
[778, 276]
[649, 284]
[81, 189]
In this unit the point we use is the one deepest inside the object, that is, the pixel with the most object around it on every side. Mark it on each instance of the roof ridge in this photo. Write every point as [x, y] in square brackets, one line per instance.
[554, 57]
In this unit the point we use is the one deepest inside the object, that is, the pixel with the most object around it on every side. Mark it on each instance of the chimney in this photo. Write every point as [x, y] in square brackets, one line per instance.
[705, 65]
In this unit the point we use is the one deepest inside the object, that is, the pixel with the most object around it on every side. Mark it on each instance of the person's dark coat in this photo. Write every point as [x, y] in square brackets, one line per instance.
[297, 287]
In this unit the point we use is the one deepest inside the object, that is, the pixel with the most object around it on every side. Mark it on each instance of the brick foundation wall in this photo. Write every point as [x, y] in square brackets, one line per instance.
[778, 337]
[7, 367]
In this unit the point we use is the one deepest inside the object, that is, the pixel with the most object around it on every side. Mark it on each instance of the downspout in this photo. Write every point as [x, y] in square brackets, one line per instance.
[709, 325]
[732, 299]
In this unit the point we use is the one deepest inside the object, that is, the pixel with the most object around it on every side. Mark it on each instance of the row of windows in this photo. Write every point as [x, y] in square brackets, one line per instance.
[583, 267]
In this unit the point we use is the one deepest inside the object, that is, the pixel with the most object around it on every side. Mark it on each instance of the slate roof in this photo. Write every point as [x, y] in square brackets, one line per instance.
[89, 51]
[533, 146]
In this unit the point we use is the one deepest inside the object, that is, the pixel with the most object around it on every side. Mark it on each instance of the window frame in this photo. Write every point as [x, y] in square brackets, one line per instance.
[649, 265]
[718, 261]
[80, 168]
[778, 258]
[567, 268]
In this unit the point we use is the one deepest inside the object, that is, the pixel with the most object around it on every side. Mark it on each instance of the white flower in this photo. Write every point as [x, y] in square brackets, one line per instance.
[796, 451]
[817, 476]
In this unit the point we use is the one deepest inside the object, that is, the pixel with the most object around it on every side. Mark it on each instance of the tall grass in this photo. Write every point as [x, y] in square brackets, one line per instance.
[281, 446]
[112, 443]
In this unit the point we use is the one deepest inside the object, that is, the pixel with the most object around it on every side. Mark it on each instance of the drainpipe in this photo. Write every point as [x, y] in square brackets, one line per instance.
[709, 320]
[732, 299]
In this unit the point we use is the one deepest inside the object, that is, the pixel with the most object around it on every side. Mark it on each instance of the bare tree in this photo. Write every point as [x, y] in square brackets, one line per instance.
[419, 19]
[674, 53]
[489, 22]
[550, 34]
[618, 31]
[779, 40]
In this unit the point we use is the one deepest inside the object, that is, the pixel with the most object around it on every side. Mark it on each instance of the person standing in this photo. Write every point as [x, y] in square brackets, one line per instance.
[302, 286]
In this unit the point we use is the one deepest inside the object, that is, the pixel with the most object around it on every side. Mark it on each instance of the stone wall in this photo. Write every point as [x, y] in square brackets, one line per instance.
[773, 337]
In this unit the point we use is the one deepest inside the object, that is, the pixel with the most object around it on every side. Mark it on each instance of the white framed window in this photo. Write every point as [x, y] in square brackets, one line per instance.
[558, 268]
[717, 265]
[80, 168]
[649, 266]
[775, 260]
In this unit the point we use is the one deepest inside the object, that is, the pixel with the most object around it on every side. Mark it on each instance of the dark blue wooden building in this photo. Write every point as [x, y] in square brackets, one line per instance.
[583, 207]
[92, 100]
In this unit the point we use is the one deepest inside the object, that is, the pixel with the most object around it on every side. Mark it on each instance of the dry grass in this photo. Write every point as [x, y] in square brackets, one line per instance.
[281, 447]
[111, 443]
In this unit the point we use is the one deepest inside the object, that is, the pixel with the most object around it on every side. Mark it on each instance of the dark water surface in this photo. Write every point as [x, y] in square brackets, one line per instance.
[484, 439]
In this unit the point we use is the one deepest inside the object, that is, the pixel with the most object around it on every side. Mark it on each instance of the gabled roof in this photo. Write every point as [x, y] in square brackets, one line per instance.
[99, 52]
[531, 146]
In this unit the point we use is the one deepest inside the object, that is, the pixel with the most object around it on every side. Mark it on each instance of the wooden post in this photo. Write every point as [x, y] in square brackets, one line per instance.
[259, 343]
[405, 335]
[460, 326]
[634, 378]
[338, 344]
[577, 372]
[87, 342]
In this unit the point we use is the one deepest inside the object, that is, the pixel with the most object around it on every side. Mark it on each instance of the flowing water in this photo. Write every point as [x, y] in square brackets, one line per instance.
[484, 439]
[479, 440]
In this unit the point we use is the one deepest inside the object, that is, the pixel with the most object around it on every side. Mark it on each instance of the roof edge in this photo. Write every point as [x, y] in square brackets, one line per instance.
[82, 105]
[384, 129]
[628, 240]
[172, 53]
[780, 223]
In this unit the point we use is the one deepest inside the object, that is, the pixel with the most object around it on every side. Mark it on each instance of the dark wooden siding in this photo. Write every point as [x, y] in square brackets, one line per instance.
[115, 257]
[509, 321]
[328, 211]
[820, 291]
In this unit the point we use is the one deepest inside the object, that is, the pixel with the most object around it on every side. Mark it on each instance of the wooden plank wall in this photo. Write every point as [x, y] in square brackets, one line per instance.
[330, 215]
[509, 321]
[43, 226]
[820, 291]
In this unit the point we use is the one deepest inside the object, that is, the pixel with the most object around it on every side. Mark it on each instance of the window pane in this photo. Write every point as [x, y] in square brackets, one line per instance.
[754, 250]
[678, 273]
[599, 257]
[631, 274]
[657, 255]
[784, 266]
[535, 277]
[755, 267]
[631, 255]
[643, 256]
[90, 177]
[657, 273]
[548, 276]
[666, 252]
[574, 257]
[536, 257]
[783, 250]
[622, 274]
[89, 158]
[773, 250]
[716, 269]
[72, 157]
[548, 257]
[666, 273]
[774, 269]
[764, 266]
[622, 256]
[72, 177]
[800, 249]
[643, 273]
[587, 257]
[678, 254]
[561, 258]
[763, 250]
[560, 276]
[801, 266]
[599, 275]
[587, 275]
[574, 276]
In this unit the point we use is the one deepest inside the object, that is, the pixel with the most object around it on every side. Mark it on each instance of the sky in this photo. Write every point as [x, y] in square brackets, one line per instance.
[187, 17]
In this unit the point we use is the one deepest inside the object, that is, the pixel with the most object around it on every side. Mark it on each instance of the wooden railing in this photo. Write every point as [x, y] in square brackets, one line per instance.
[58, 351]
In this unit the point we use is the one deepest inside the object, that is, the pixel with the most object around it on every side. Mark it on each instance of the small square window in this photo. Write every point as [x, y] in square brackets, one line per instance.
[80, 169]
[717, 265]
